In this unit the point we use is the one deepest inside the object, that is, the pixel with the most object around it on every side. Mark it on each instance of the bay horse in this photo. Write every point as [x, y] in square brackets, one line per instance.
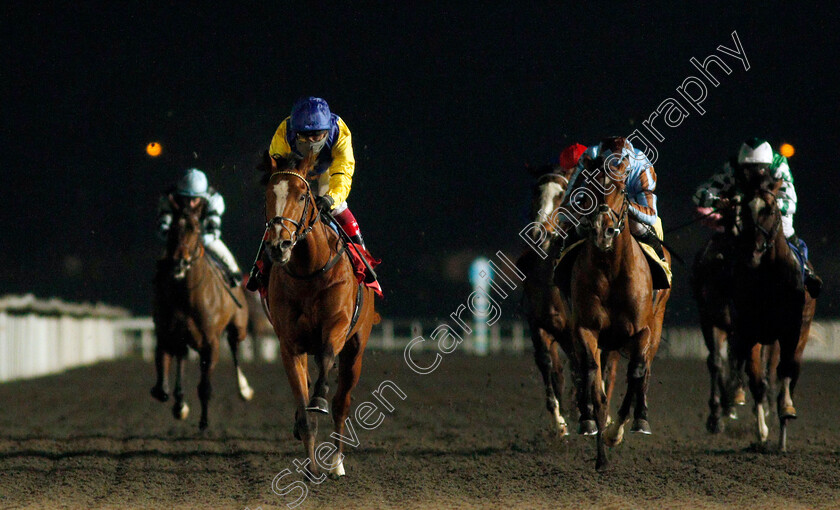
[192, 307]
[711, 283]
[612, 304]
[542, 303]
[316, 305]
[770, 299]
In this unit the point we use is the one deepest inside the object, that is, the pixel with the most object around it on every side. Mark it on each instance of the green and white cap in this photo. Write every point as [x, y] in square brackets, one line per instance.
[755, 151]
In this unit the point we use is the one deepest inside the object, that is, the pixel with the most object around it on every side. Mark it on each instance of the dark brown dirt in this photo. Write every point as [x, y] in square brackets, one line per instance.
[473, 434]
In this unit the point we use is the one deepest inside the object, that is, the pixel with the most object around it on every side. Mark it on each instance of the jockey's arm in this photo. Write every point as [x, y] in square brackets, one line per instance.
[164, 218]
[640, 187]
[715, 188]
[342, 167]
[786, 198]
[213, 215]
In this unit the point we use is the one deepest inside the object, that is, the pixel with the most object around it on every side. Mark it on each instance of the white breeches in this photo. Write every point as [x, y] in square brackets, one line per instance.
[787, 226]
[221, 251]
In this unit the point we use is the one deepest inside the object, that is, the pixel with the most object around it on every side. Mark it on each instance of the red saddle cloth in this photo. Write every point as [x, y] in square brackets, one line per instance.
[356, 253]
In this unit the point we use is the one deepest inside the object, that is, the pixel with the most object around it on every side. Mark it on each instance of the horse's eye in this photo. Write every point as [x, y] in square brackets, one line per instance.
[302, 198]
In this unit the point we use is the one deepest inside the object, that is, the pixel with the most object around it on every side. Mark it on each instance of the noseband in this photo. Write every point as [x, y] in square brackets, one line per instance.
[297, 235]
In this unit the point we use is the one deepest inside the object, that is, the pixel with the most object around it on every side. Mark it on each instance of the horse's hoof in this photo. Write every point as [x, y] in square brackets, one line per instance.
[740, 397]
[202, 425]
[602, 466]
[159, 394]
[246, 394]
[181, 413]
[641, 426]
[318, 405]
[296, 432]
[714, 425]
[588, 428]
[731, 413]
[787, 413]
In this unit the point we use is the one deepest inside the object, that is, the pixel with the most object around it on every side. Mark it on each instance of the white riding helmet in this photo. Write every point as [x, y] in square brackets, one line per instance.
[192, 184]
[755, 151]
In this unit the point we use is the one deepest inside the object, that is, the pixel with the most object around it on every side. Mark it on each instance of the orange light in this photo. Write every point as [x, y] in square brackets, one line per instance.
[786, 150]
[153, 149]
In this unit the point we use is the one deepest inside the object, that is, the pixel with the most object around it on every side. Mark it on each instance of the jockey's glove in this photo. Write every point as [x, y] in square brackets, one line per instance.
[324, 203]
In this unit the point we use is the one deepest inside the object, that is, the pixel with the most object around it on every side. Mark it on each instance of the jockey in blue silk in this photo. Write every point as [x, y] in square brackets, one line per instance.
[191, 189]
[311, 126]
[640, 182]
[756, 153]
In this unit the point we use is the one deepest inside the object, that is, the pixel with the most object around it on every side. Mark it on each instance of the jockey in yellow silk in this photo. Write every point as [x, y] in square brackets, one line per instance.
[311, 126]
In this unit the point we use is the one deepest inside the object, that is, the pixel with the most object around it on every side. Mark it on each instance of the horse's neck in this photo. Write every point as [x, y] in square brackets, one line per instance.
[613, 262]
[312, 253]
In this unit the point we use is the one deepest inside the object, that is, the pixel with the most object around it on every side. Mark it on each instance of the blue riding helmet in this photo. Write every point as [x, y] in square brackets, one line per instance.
[192, 184]
[310, 114]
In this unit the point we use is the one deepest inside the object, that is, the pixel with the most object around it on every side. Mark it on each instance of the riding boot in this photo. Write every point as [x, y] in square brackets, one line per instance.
[812, 281]
[258, 278]
[358, 240]
[650, 238]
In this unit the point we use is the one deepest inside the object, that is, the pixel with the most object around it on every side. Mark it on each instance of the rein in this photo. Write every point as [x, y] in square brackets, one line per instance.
[770, 234]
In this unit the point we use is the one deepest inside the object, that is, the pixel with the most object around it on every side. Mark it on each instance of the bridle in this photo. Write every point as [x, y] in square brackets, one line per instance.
[297, 234]
[619, 218]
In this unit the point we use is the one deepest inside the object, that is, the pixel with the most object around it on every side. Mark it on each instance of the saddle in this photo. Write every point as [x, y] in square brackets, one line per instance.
[216, 261]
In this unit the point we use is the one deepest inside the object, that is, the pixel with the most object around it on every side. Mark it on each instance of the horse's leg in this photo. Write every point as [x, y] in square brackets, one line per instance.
[714, 337]
[208, 356]
[305, 429]
[545, 363]
[593, 389]
[349, 370]
[641, 377]
[736, 394]
[790, 364]
[609, 364]
[758, 388]
[615, 430]
[235, 335]
[160, 390]
[587, 425]
[180, 410]
[325, 361]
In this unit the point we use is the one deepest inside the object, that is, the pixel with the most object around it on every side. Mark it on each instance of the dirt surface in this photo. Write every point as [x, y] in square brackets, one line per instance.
[472, 434]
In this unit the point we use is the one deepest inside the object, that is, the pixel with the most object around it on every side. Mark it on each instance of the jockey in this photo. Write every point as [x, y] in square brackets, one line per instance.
[311, 126]
[640, 181]
[758, 153]
[192, 188]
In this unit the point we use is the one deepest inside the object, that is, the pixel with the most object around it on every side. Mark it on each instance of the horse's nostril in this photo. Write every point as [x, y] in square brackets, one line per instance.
[603, 208]
[285, 244]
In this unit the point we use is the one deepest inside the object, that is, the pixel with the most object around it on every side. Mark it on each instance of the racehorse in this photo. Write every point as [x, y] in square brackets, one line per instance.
[613, 306]
[316, 305]
[711, 283]
[542, 303]
[193, 305]
[769, 298]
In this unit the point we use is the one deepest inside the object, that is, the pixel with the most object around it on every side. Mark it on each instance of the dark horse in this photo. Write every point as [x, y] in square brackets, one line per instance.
[316, 305]
[612, 304]
[711, 283]
[542, 303]
[769, 298]
[192, 307]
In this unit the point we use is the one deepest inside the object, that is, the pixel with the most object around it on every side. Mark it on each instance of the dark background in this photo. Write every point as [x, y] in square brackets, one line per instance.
[445, 104]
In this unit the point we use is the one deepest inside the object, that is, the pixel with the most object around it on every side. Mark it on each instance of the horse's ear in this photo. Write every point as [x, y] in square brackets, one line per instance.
[777, 185]
[308, 162]
[173, 203]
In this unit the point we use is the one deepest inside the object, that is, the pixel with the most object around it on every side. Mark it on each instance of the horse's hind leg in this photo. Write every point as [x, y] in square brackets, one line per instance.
[790, 364]
[735, 393]
[235, 336]
[208, 356]
[758, 387]
[545, 363]
[160, 390]
[180, 410]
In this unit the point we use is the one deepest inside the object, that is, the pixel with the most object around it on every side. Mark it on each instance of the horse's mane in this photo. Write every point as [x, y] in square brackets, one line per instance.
[291, 163]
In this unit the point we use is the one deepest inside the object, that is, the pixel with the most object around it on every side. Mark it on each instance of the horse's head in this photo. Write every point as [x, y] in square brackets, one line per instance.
[547, 196]
[760, 218]
[289, 206]
[183, 245]
[603, 194]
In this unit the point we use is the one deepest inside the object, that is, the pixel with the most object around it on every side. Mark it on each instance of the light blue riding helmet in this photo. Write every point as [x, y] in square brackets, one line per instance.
[192, 184]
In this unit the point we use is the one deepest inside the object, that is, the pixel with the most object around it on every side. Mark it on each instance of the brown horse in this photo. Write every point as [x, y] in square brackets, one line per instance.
[711, 283]
[192, 307]
[770, 300]
[315, 303]
[613, 306]
[542, 303]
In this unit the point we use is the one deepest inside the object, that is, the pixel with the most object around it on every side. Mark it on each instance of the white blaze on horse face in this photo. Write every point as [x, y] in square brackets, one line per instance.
[548, 192]
[281, 192]
[756, 205]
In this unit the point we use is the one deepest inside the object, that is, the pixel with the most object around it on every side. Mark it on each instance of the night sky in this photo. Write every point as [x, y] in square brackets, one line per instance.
[446, 104]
